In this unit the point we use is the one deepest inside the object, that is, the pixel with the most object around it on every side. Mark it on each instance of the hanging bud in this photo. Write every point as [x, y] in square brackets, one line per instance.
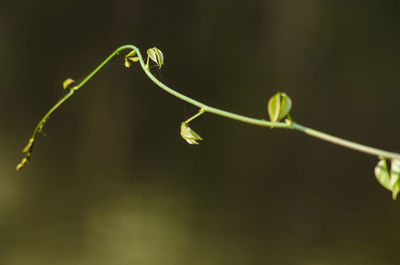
[189, 135]
[127, 63]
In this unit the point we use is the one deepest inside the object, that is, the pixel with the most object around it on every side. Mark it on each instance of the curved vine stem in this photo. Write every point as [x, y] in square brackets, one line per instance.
[204, 109]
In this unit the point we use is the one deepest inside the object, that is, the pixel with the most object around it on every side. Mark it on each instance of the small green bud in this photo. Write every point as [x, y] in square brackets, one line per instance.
[279, 106]
[156, 55]
[189, 135]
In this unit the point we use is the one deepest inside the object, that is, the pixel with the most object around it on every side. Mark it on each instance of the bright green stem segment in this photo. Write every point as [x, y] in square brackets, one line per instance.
[203, 109]
[346, 143]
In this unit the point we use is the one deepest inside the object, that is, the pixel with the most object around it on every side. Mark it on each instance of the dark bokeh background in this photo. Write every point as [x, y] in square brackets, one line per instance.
[113, 182]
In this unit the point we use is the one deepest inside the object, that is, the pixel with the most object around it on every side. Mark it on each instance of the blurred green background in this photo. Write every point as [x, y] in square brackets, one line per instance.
[113, 182]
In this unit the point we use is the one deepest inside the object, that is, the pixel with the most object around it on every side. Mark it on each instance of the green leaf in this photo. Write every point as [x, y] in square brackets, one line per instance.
[132, 57]
[67, 82]
[382, 174]
[189, 135]
[286, 106]
[274, 107]
[156, 55]
[160, 57]
[389, 180]
[131, 54]
[152, 54]
[395, 177]
[394, 172]
[279, 106]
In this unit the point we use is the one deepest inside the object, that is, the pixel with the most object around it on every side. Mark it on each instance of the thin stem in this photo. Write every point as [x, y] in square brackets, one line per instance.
[346, 143]
[71, 92]
[201, 111]
[264, 123]
[205, 108]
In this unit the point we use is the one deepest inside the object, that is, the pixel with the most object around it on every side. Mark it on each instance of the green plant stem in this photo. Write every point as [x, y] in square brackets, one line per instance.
[205, 108]
[346, 143]
[201, 111]
[72, 90]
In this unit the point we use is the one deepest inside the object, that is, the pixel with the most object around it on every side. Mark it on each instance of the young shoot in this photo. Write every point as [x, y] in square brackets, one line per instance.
[279, 108]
